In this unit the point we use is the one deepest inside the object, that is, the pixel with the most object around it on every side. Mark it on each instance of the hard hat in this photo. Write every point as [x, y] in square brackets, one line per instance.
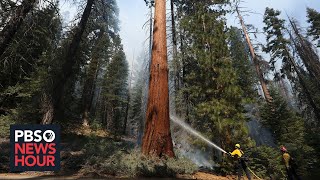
[283, 149]
[237, 146]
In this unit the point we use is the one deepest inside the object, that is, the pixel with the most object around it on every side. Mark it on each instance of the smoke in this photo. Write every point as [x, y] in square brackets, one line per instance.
[195, 133]
[182, 137]
[197, 156]
[261, 135]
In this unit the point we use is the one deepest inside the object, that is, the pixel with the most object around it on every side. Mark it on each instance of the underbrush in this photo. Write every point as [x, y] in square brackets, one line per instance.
[109, 158]
[5, 122]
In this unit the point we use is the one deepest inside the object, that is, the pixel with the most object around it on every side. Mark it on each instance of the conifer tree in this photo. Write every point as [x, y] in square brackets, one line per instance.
[54, 92]
[27, 60]
[314, 20]
[241, 63]
[210, 79]
[115, 89]
[288, 128]
[8, 32]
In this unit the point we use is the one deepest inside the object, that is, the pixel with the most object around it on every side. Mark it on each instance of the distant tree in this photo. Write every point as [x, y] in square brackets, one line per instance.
[114, 90]
[89, 84]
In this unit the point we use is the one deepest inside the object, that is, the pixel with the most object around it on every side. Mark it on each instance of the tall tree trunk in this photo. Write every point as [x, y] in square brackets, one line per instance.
[61, 78]
[157, 136]
[150, 36]
[176, 63]
[88, 88]
[128, 103]
[14, 24]
[255, 61]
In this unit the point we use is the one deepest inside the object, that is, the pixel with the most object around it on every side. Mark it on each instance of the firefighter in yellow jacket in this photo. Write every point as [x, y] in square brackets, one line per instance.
[288, 162]
[240, 163]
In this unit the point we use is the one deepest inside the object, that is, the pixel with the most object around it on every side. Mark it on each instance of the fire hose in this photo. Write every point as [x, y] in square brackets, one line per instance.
[254, 173]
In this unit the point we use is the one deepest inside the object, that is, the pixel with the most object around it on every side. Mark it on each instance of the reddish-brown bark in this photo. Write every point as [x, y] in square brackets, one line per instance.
[255, 61]
[157, 137]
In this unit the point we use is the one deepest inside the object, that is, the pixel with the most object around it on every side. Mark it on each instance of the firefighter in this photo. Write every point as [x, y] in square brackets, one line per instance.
[240, 163]
[289, 164]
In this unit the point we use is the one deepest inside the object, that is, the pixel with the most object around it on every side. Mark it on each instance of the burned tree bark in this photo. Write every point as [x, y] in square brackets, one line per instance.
[255, 61]
[157, 137]
[14, 24]
[61, 78]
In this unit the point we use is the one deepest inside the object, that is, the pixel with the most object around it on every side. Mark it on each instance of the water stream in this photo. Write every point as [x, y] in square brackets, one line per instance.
[195, 133]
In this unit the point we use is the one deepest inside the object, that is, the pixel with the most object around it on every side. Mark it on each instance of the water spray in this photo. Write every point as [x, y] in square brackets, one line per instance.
[195, 133]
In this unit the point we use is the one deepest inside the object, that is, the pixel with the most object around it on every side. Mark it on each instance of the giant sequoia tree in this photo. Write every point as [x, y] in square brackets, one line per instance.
[157, 136]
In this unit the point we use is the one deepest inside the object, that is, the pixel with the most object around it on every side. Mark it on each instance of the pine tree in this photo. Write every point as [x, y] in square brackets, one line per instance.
[314, 20]
[288, 129]
[115, 89]
[210, 79]
[8, 32]
[241, 63]
[278, 46]
[54, 92]
[306, 52]
[27, 60]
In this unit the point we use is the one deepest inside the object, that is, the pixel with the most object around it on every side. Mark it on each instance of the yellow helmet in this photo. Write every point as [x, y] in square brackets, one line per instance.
[237, 146]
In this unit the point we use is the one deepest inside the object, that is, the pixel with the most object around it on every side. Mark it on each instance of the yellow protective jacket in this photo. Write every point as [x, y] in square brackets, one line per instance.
[237, 153]
[286, 159]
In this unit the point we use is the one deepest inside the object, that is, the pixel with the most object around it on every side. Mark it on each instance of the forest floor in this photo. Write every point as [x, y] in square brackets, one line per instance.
[73, 157]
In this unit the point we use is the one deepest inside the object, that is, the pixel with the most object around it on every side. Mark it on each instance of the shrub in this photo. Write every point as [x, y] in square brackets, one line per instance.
[134, 164]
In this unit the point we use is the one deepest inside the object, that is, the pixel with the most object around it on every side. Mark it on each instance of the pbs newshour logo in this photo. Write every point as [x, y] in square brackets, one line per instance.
[34, 148]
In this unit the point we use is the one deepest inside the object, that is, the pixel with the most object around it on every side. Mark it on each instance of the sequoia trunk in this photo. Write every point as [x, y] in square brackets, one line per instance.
[157, 137]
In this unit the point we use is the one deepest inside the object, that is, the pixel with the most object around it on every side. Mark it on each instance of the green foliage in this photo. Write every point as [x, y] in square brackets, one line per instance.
[266, 162]
[5, 121]
[210, 79]
[115, 88]
[25, 63]
[288, 128]
[241, 63]
[314, 20]
[277, 44]
[108, 157]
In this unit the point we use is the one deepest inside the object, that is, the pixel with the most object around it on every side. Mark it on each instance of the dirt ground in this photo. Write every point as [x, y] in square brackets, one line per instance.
[50, 175]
